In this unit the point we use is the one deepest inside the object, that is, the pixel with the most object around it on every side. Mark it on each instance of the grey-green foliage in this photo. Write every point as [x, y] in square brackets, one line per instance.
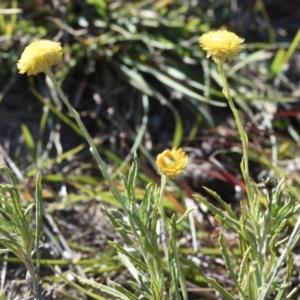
[142, 225]
[15, 223]
[16, 234]
[261, 232]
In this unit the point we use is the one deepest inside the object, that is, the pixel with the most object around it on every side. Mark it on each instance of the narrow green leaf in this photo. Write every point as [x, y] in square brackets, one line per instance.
[101, 6]
[124, 292]
[178, 131]
[219, 288]
[129, 266]
[138, 262]
[120, 228]
[38, 221]
[287, 281]
[185, 215]
[29, 142]
[169, 81]
[293, 293]
[252, 58]
[234, 224]
[228, 264]
[252, 285]
[244, 269]
[146, 204]
[176, 271]
[282, 56]
[226, 206]
[3, 251]
[132, 177]
[100, 288]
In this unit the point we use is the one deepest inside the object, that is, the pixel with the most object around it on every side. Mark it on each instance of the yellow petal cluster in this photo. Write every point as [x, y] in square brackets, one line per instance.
[172, 163]
[39, 56]
[221, 44]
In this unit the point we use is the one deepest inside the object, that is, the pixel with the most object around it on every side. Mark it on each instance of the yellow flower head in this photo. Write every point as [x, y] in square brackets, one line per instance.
[221, 44]
[172, 163]
[39, 56]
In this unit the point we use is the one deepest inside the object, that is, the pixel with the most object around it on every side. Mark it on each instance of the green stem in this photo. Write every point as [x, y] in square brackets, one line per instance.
[93, 148]
[160, 198]
[243, 135]
[245, 171]
[159, 203]
[179, 278]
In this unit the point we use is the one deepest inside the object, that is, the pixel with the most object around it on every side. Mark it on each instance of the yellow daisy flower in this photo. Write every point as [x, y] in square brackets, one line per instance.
[38, 56]
[221, 44]
[172, 163]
